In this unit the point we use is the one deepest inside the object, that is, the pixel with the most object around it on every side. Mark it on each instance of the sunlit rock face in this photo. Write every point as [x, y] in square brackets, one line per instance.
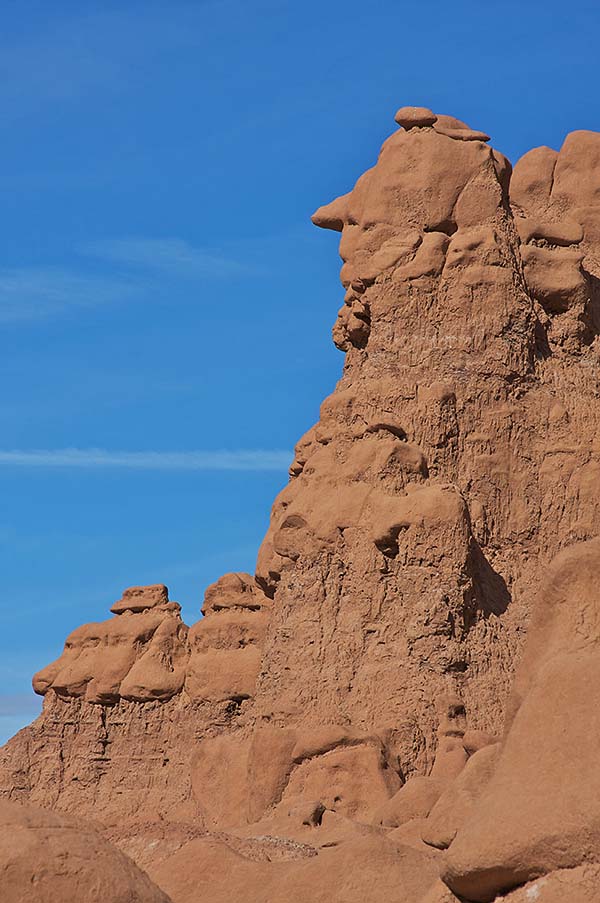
[46, 857]
[139, 654]
[147, 653]
[353, 699]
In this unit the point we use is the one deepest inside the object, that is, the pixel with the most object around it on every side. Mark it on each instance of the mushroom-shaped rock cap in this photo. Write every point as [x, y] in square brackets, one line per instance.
[414, 117]
[140, 598]
[235, 590]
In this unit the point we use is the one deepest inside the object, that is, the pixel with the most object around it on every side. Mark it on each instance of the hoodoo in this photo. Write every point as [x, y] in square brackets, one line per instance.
[401, 703]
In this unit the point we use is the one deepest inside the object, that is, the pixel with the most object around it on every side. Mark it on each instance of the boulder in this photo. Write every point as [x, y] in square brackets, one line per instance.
[414, 117]
[47, 857]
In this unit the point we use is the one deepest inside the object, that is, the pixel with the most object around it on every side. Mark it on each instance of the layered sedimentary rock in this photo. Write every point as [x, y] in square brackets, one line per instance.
[349, 709]
[129, 700]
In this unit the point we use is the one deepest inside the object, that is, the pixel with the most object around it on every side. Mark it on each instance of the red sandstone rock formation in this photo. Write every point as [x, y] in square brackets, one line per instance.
[46, 857]
[345, 725]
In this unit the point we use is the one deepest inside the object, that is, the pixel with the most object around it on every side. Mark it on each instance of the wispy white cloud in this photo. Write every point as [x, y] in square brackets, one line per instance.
[240, 459]
[136, 268]
[38, 292]
[172, 256]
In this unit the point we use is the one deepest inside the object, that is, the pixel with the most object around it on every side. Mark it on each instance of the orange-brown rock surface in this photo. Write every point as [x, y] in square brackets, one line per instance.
[346, 724]
[46, 857]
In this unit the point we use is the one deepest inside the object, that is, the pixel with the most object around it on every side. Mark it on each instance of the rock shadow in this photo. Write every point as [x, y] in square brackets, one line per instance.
[492, 595]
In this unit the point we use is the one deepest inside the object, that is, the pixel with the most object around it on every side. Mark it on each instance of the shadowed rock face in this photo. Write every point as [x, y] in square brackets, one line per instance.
[539, 811]
[356, 691]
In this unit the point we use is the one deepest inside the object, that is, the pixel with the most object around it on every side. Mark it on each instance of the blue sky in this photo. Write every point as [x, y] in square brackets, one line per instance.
[165, 302]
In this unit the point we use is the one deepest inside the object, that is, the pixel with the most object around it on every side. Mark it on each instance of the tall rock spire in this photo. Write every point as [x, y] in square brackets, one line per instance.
[362, 677]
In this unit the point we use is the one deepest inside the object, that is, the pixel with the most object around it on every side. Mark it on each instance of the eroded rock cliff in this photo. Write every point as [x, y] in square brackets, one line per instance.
[345, 721]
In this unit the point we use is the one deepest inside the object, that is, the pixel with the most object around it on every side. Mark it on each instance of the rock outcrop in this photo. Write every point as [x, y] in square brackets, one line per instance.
[347, 721]
[539, 812]
[138, 689]
[138, 655]
[46, 857]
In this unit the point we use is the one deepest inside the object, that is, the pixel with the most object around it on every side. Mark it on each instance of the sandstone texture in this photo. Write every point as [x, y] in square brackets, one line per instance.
[401, 704]
[46, 857]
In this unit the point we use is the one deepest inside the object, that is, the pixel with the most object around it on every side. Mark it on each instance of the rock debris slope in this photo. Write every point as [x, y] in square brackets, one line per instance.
[347, 724]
